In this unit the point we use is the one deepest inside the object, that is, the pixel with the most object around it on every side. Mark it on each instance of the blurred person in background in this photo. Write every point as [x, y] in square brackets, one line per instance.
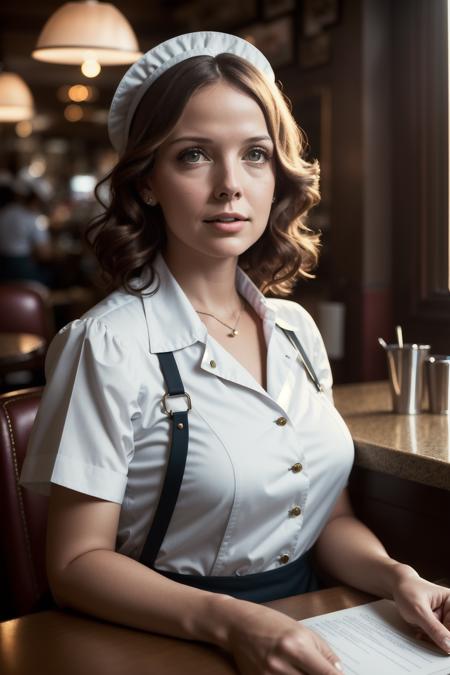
[25, 245]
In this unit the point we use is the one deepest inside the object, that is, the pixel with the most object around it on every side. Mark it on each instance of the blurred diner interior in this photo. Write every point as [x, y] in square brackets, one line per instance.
[368, 84]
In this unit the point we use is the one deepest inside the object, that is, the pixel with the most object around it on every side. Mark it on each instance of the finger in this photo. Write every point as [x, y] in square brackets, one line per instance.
[279, 666]
[435, 630]
[321, 661]
[438, 613]
[314, 657]
[445, 618]
[420, 635]
[329, 654]
[316, 664]
[419, 632]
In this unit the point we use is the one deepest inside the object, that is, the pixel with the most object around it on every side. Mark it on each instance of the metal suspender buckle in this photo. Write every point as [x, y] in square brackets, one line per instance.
[170, 412]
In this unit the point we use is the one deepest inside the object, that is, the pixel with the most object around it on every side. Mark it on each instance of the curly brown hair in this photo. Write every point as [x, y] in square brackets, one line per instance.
[127, 236]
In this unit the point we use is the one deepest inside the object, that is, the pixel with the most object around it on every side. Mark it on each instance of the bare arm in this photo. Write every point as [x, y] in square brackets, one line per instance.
[87, 574]
[350, 552]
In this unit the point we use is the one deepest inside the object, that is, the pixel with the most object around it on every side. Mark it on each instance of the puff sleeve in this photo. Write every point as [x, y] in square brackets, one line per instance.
[83, 436]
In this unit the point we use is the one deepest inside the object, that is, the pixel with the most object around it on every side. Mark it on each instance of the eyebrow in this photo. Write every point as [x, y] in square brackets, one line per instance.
[201, 139]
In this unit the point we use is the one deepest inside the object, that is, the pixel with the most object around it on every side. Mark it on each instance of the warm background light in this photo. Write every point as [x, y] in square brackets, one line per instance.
[98, 27]
[73, 112]
[16, 101]
[78, 93]
[90, 68]
[24, 129]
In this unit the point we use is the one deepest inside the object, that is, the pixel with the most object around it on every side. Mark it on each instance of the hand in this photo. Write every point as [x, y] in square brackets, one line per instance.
[266, 642]
[424, 605]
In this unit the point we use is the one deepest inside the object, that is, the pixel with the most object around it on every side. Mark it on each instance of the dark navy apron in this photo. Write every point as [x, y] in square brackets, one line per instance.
[290, 579]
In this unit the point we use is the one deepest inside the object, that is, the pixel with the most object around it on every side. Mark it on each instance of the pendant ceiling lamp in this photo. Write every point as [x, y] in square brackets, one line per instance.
[87, 33]
[16, 101]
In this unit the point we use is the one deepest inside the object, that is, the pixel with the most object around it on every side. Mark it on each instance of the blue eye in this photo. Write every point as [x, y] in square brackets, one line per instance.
[193, 153]
[262, 153]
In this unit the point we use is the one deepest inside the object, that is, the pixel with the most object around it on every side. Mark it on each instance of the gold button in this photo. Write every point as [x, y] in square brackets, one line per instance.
[180, 425]
[295, 511]
[284, 558]
[281, 421]
[296, 468]
[213, 364]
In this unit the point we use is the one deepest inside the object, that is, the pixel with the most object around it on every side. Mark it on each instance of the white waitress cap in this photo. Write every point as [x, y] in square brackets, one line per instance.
[154, 63]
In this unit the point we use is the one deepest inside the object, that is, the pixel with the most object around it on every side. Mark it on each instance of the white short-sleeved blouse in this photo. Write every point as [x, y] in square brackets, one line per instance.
[254, 455]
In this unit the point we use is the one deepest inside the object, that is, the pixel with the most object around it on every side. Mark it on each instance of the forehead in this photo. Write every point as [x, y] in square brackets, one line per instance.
[220, 106]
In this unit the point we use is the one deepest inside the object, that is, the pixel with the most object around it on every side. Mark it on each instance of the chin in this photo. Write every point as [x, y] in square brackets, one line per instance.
[228, 249]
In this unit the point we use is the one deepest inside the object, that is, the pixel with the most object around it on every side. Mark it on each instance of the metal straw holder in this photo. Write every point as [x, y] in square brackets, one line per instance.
[406, 376]
[438, 377]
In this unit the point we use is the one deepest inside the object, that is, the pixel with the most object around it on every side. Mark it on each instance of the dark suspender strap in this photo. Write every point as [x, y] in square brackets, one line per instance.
[179, 447]
[176, 462]
[306, 362]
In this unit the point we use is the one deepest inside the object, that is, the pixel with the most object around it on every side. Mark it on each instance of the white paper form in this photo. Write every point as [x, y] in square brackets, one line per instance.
[373, 639]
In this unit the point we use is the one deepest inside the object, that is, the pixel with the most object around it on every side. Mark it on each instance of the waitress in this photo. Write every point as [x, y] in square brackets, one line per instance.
[187, 435]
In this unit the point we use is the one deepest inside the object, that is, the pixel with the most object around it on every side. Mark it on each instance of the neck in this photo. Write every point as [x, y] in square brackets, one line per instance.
[209, 283]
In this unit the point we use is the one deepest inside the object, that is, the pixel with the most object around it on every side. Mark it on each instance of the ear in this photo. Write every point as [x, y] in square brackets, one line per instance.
[147, 195]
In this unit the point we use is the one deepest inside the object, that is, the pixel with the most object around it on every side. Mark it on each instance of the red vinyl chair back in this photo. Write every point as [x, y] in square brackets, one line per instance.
[23, 514]
[24, 308]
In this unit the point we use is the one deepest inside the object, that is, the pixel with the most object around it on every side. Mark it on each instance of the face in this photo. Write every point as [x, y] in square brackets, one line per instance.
[217, 160]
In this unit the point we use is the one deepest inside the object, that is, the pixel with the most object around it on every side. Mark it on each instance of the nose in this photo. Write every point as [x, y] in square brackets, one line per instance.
[227, 186]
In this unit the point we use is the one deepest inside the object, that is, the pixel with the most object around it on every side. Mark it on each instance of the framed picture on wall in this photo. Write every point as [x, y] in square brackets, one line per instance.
[315, 51]
[319, 14]
[207, 15]
[273, 8]
[275, 39]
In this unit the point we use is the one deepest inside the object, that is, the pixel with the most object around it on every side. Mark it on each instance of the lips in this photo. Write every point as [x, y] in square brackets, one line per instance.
[224, 217]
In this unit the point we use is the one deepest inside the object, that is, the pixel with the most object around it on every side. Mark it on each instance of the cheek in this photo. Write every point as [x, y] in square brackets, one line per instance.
[180, 201]
[179, 193]
[264, 178]
[262, 191]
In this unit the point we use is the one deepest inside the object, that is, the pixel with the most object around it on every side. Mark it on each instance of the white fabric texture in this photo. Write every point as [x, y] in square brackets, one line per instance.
[154, 63]
[101, 430]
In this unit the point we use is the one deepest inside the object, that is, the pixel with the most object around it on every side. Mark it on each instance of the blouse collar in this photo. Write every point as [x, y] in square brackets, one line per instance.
[172, 321]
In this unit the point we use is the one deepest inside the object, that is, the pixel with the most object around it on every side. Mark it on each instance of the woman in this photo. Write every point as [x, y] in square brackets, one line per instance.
[188, 354]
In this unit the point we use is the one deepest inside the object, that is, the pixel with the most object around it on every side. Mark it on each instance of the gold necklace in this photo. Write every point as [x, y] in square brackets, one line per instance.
[233, 329]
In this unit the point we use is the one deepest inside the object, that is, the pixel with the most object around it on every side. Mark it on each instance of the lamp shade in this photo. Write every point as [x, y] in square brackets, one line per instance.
[16, 101]
[80, 31]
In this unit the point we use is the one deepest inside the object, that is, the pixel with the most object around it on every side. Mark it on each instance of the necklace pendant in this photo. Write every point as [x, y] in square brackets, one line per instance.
[234, 332]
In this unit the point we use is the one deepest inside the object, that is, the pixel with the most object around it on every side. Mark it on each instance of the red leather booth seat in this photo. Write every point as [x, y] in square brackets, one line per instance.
[25, 308]
[23, 514]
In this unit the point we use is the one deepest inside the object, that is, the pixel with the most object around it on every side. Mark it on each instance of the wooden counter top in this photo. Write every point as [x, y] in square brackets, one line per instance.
[55, 642]
[415, 447]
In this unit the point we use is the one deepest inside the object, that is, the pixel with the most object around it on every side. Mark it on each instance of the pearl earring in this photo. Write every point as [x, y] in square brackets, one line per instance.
[149, 199]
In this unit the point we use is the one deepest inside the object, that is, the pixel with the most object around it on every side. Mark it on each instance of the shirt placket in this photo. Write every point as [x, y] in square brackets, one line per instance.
[219, 364]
